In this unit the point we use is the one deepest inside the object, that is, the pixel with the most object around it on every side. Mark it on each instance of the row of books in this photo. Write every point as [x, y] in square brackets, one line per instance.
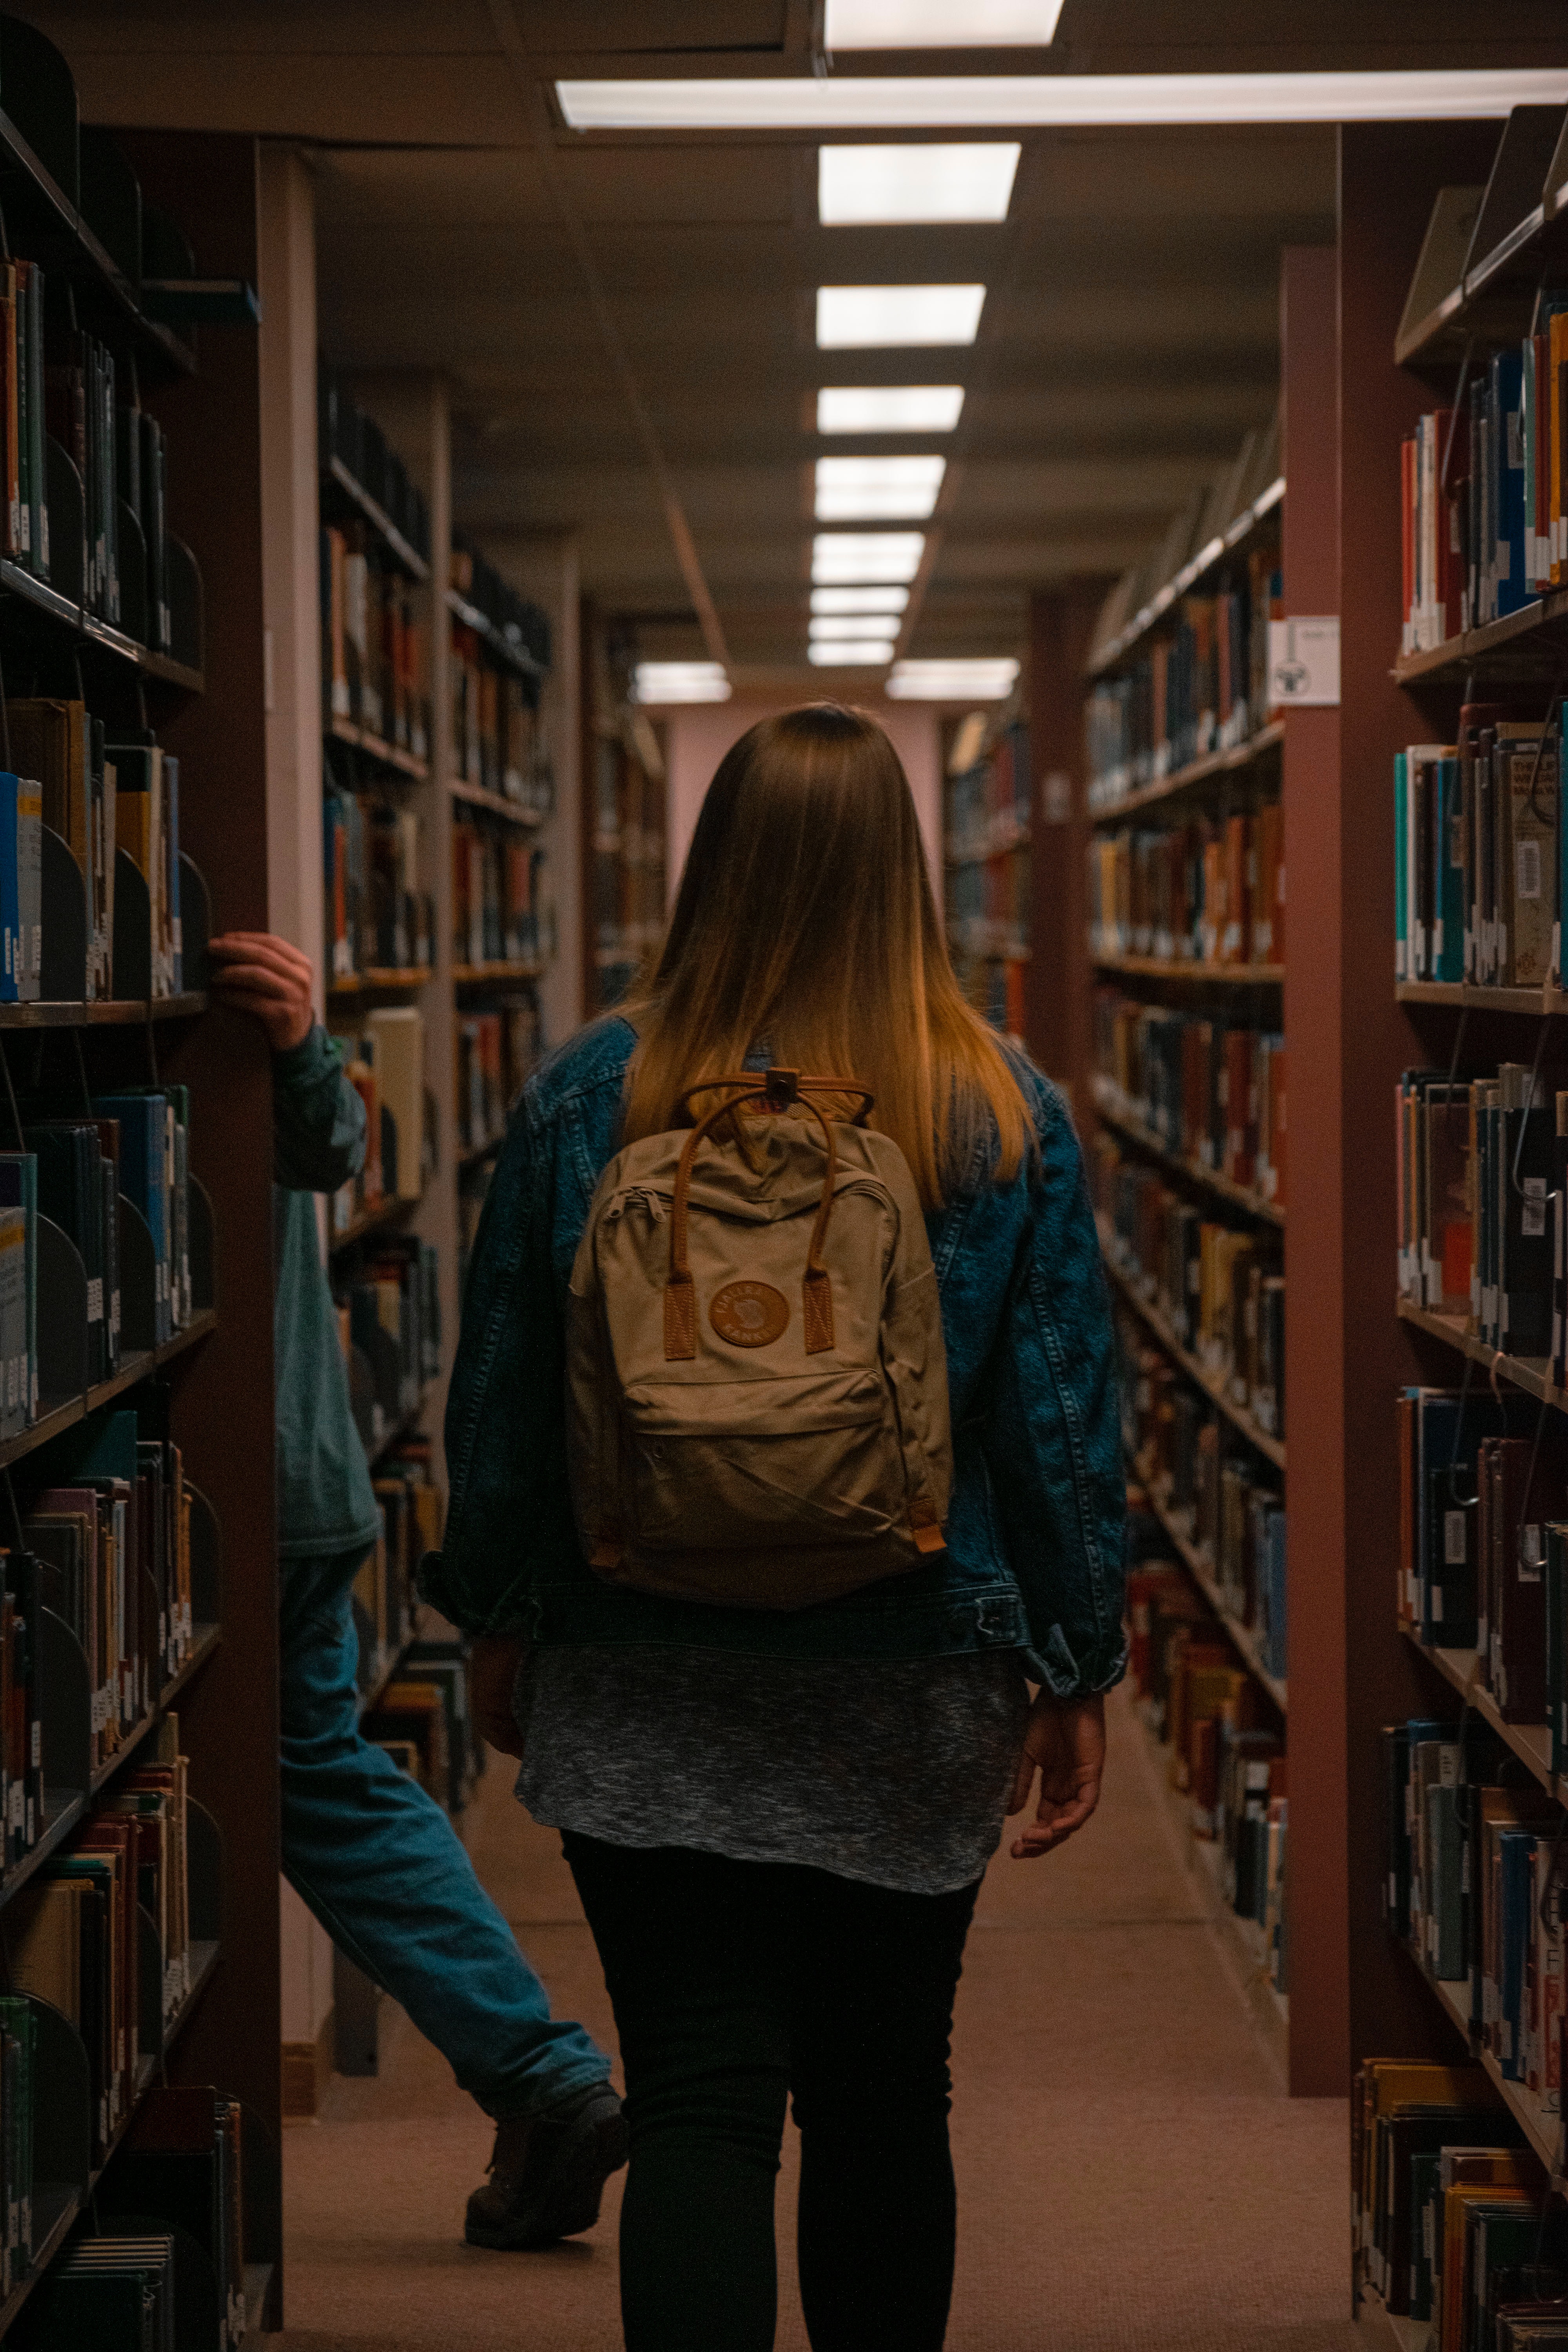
[409, 1503]
[389, 1316]
[344, 431]
[383, 1059]
[497, 892]
[1218, 1290]
[625, 882]
[1210, 1485]
[497, 741]
[1482, 503]
[1450, 2220]
[1202, 688]
[994, 984]
[494, 1056]
[989, 905]
[73, 1933]
[108, 1550]
[378, 917]
[422, 1720]
[1483, 1220]
[1209, 891]
[1213, 1095]
[988, 802]
[508, 619]
[99, 794]
[1477, 885]
[1230, 1768]
[1476, 1490]
[375, 653]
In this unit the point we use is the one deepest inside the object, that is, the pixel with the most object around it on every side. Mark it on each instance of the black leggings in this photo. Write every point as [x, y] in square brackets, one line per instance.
[734, 1984]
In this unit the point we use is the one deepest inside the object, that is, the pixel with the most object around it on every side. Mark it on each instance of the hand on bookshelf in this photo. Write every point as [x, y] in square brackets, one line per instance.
[494, 1660]
[262, 974]
[1064, 1741]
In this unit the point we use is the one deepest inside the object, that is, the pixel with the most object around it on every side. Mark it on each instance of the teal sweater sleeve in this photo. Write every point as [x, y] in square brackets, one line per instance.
[326, 1502]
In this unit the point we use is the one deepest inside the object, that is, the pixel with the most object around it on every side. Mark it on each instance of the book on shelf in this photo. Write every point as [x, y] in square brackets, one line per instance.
[182, 2163]
[1212, 1094]
[408, 1505]
[494, 1056]
[383, 1060]
[497, 892]
[377, 917]
[1210, 891]
[1444, 1568]
[375, 648]
[390, 1322]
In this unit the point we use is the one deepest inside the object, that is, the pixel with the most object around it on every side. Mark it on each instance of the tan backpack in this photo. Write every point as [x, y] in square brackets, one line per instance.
[756, 1378]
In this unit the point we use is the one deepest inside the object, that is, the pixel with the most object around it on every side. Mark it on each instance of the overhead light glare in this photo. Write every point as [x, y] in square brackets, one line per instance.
[859, 600]
[940, 24]
[871, 626]
[860, 185]
[889, 408]
[1057, 102]
[677, 681]
[872, 489]
[848, 653]
[876, 318]
[953, 680]
[865, 558]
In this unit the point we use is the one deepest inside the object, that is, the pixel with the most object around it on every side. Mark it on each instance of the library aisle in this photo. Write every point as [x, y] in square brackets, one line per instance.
[1130, 2171]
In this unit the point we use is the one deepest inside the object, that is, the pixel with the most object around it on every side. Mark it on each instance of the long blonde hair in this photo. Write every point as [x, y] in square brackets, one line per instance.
[804, 918]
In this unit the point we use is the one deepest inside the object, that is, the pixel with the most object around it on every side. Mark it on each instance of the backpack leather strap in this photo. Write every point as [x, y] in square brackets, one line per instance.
[778, 1089]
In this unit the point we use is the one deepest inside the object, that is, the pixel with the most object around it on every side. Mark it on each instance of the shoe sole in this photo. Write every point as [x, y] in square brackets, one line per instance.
[574, 2196]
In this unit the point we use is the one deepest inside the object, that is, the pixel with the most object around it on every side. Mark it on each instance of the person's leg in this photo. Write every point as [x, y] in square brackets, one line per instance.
[383, 1869]
[872, 1979]
[690, 1944]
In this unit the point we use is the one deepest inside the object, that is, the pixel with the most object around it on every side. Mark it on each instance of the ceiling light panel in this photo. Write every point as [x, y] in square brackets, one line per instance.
[889, 408]
[874, 490]
[681, 682]
[840, 653]
[827, 601]
[939, 24]
[875, 318]
[871, 627]
[867, 557]
[1056, 101]
[856, 186]
[953, 681]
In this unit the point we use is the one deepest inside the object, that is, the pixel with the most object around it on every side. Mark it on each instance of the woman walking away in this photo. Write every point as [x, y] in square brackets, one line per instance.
[771, 1496]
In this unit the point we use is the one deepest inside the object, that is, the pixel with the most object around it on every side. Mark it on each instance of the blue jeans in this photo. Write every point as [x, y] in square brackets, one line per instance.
[382, 1867]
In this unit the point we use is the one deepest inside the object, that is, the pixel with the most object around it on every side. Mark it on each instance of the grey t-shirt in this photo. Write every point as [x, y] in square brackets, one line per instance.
[896, 1773]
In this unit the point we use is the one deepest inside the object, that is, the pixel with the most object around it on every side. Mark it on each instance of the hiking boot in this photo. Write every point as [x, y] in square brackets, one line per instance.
[548, 2172]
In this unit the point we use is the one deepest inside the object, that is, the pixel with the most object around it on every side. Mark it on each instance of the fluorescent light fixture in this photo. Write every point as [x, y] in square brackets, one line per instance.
[889, 408]
[846, 653]
[856, 185]
[953, 681]
[871, 626]
[1057, 102]
[873, 489]
[872, 317]
[859, 600]
[939, 24]
[678, 681]
[869, 558]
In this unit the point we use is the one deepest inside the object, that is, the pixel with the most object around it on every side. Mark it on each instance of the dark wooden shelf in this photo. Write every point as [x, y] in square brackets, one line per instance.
[1526, 1372]
[1203, 1576]
[381, 979]
[473, 976]
[404, 764]
[1237, 1196]
[207, 1638]
[370, 1221]
[50, 605]
[1531, 1742]
[1229, 762]
[1238, 534]
[102, 1012]
[1469, 996]
[1223, 975]
[498, 805]
[1529, 645]
[136, 1368]
[340, 490]
[1215, 1388]
[500, 647]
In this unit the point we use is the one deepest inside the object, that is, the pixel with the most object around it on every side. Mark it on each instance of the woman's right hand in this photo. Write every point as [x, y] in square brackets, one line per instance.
[1064, 1742]
[494, 1662]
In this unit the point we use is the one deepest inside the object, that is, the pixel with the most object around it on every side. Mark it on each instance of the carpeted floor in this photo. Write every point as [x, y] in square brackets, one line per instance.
[1131, 2177]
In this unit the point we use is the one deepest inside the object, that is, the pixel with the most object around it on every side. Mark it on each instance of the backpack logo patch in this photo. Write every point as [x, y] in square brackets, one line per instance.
[749, 1314]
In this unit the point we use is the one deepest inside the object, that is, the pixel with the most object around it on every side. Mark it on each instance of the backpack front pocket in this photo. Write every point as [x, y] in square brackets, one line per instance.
[789, 1463]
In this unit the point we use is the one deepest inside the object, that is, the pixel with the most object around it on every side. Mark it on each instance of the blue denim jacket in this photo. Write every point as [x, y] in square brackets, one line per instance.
[1034, 1556]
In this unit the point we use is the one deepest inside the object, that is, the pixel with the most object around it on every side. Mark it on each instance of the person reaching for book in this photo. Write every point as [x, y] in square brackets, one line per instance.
[785, 1447]
[370, 1852]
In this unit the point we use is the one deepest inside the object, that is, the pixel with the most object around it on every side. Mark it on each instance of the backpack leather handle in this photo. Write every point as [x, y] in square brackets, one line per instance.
[778, 1090]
